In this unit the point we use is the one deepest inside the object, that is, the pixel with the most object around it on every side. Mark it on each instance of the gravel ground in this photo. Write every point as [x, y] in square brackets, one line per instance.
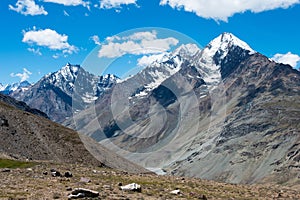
[36, 182]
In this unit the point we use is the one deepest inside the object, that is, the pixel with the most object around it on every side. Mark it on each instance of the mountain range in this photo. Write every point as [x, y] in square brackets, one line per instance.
[54, 93]
[224, 112]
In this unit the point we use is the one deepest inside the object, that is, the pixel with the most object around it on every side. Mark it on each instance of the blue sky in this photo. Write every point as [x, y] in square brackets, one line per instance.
[41, 36]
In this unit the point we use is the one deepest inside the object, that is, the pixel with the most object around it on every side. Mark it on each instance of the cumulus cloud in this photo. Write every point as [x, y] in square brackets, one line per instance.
[23, 76]
[70, 2]
[136, 44]
[221, 10]
[50, 39]
[288, 58]
[108, 4]
[147, 60]
[28, 7]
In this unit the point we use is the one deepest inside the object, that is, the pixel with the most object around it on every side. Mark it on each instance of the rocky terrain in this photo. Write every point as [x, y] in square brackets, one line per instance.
[21, 105]
[223, 113]
[35, 181]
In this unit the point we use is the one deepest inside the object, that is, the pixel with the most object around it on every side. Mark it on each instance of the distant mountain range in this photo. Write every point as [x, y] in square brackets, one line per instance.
[225, 112]
[10, 88]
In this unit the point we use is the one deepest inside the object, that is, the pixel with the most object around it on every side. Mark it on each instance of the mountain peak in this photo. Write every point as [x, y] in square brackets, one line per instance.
[219, 47]
[70, 67]
[227, 40]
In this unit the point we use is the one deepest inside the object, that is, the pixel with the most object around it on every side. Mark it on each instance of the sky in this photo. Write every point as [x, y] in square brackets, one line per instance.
[41, 36]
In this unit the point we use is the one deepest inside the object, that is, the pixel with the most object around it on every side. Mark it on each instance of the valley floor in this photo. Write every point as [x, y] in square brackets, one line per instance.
[36, 182]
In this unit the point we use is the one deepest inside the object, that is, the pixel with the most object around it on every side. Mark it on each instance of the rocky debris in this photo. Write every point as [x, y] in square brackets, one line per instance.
[55, 173]
[85, 180]
[5, 170]
[176, 192]
[68, 174]
[132, 187]
[82, 193]
[3, 122]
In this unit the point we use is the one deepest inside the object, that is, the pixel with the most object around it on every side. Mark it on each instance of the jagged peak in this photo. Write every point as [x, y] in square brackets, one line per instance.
[70, 67]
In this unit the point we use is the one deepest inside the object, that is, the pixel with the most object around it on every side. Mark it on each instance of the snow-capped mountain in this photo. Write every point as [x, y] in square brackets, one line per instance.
[224, 112]
[209, 60]
[160, 70]
[9, 88]
[60, 93]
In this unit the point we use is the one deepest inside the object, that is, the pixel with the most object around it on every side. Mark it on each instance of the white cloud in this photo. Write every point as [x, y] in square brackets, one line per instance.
[108, 4]
[50, 39]
[28, 7]
[223, 9]
[35, 51]
[70, 2]
[137, 44]
[288, 58]
[147, 60]
[96, 39]
[23, 76]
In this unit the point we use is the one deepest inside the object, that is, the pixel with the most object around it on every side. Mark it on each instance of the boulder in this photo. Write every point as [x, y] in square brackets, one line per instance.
[68, 174]
[176, 192]
[55, 173]
[132, 187]
[4, 122]
[82, 193]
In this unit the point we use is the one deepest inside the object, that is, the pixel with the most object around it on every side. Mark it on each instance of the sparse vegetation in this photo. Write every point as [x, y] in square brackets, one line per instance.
[13, 164]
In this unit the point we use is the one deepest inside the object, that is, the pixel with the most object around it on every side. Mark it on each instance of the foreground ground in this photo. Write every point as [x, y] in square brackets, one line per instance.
[34, 181]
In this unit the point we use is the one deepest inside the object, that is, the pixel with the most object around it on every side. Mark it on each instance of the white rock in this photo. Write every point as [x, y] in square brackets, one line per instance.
[175, 192]
[132, 187]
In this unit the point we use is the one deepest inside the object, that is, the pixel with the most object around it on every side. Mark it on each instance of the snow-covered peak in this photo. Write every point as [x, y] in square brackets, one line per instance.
[68, 73]
[186, 50]
[69, 69]
[212, 55]
[223, 43]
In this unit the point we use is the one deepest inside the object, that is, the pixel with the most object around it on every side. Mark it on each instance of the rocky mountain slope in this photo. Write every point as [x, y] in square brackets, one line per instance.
[20, 105]
[26, 136]
[54, 94]
[225, 113]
